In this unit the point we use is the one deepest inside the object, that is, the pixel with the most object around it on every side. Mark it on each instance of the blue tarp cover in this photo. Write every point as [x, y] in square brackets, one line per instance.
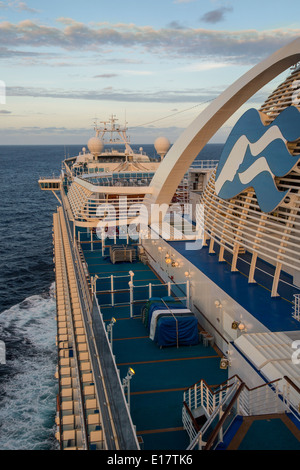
[166, 333]
[167, 330]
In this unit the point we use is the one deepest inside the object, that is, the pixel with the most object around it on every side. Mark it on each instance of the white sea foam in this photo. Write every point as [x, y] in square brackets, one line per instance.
[27, 385]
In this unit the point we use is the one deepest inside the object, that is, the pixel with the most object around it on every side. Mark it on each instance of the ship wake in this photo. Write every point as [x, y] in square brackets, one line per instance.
[27, 384]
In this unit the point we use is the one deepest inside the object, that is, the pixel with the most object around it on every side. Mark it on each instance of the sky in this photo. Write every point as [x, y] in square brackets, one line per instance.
[65, 65]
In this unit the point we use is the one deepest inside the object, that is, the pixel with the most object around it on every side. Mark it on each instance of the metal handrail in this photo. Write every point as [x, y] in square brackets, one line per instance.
[290, 382]
[196, 425]
[210, 420]
[217, 429]
[204, 164]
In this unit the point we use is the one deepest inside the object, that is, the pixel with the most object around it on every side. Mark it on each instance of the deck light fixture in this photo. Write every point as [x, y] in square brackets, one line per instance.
[237, 325]
[110, 329]
[126, 384]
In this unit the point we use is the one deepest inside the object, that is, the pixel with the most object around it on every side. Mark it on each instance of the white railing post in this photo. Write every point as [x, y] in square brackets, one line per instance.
[150, 290]
[112, 290]
[102, 239]
[188, 294]
[131, 298]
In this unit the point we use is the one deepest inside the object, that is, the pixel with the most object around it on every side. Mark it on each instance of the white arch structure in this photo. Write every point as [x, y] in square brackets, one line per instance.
[201, 130]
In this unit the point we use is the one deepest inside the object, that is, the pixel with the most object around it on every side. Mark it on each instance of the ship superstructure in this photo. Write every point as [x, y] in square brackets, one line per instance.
[181, 333]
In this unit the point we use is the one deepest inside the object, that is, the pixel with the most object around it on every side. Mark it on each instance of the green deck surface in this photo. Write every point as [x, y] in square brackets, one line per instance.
[269, 434]
[161, 374]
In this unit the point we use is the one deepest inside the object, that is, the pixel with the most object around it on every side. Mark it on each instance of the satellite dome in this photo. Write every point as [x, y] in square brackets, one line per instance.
[95, 145]
[162, 145]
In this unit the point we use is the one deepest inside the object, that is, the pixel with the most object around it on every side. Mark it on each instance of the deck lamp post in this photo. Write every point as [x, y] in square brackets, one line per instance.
[110, 329]
[126, 384]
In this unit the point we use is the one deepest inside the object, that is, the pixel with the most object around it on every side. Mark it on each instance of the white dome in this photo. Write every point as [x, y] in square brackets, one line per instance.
[162, 145]
[95, 146]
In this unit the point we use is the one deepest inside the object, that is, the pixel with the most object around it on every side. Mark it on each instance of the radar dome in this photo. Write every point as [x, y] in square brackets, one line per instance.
[162, 145]
[95, 145]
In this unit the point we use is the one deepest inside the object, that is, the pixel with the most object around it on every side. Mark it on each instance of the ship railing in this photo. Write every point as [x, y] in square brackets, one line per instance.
[84, 291]
[278, 396]
[296, 307]
[120, 291]
[219, 418]
[52, 177]
[114, 407]
[203, 395]
[117, 425]
[204, 164]
[263, 399]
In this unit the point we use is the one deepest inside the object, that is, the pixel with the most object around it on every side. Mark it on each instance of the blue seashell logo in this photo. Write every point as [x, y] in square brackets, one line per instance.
[254, 155]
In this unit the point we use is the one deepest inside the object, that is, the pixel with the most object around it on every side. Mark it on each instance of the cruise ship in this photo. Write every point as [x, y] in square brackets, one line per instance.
[178, 285]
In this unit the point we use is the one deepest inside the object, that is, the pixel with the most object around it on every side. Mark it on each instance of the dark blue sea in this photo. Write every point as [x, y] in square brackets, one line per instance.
[27, 306]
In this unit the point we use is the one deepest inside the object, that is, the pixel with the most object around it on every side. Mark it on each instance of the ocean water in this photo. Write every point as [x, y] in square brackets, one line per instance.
[27, 305]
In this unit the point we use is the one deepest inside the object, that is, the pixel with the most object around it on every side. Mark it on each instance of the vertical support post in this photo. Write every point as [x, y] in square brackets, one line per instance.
[131, 298]
[276, 280]
[92, 244]
[188, 294]
[169, 288]
[252, 268]
[221, 253]
[150, 290]
[234, 258]
[112, 290]
[130, 283]
[221, 430]
[102, 238]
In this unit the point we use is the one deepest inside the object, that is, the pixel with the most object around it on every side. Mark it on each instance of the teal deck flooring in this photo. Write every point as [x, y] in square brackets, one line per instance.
[269, 435]
[161, 374]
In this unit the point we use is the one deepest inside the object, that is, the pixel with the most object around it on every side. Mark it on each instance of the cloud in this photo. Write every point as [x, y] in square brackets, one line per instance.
[107, 75]
[23, 7]
[215, 16]
[242, 47]
[125, 95]
[8, 53]
[175, 25]
[17, 5]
